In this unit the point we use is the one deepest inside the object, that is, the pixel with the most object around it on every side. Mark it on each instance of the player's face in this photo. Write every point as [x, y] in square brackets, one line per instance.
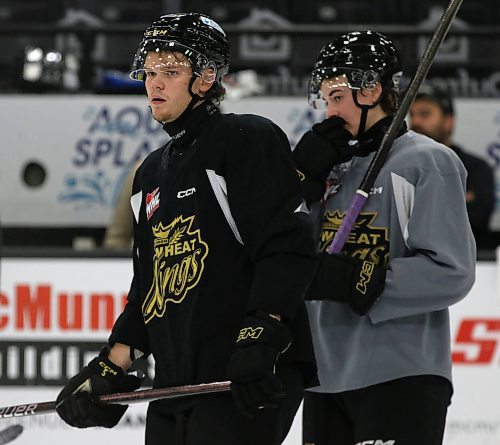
[340, 103]
[426, 117]
[167, 84]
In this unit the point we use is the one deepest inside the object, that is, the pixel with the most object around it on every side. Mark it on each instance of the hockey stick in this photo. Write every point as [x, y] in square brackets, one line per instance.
[10, 433]
[363, 191]
[145, 395]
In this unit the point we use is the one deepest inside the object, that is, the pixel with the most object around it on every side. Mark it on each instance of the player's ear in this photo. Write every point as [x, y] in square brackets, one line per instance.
[449, 122]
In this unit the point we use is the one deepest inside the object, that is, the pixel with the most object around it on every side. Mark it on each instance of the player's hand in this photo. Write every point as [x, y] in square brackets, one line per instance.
[254, 384]
[76, 404]
[350, 280]
[325, 145]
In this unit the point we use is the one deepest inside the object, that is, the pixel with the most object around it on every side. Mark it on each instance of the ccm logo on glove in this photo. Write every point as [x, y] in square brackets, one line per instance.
[76, 404]
[249, 333]
[260, 343]
[365, 276]
[106, 369]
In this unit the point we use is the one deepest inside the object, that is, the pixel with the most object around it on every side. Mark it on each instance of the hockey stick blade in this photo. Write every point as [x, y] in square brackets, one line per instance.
[10, 433]
[145, 395]
[363, 191]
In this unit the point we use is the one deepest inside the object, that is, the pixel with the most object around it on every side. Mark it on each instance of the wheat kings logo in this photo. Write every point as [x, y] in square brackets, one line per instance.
[366, 241]
[178, 264]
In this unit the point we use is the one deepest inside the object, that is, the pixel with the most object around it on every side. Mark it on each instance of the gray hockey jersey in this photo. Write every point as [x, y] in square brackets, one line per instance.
[415, 221]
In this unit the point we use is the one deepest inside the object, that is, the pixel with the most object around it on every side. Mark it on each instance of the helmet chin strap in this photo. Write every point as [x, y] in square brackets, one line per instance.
[195, 98]
[364, 112]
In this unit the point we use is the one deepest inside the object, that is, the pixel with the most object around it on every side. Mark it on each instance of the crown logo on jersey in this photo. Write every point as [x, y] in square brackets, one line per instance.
[366, 241]
[178, 264]
[333, 220]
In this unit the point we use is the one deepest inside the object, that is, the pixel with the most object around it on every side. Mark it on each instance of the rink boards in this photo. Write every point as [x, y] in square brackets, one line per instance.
[55, 313]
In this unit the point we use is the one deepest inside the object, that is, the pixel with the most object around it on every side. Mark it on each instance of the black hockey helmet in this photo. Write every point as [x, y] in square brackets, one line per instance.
[364, 57]
[197, 36]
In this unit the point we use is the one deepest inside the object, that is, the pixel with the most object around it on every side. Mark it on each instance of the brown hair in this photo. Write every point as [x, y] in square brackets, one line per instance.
[390, 101]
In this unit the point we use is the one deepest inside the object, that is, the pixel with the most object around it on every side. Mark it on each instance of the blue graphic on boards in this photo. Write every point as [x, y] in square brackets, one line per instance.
[86, 190]
[114, 141]
[133, 122]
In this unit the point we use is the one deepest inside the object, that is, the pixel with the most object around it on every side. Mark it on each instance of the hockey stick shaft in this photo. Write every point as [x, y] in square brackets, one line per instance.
[145, 395]
[378, 161]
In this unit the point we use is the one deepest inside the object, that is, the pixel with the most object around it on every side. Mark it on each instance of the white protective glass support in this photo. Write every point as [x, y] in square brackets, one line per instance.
[330, 78]
[316, 97]
[169, 66]
[168, 55]
[166, 64]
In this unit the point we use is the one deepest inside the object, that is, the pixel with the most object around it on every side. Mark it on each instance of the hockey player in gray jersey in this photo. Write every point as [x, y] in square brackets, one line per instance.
[379, 310]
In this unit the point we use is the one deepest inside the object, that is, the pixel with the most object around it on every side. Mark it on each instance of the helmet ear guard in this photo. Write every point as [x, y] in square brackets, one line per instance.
[370, 79]
[209, 73]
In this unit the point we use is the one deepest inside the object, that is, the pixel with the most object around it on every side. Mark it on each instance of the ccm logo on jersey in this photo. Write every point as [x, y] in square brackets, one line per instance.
[152, 202]
[186, 193]
[376, 190]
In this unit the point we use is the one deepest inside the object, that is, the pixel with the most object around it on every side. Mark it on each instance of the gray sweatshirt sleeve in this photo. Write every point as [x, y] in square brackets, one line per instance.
[438, 267]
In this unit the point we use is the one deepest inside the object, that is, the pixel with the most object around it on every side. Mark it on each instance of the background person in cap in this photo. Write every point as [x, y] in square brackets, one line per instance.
[432, 113]
[223, 253]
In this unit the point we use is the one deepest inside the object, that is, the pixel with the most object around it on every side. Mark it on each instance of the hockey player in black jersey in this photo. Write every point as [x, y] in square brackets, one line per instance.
[223, 254]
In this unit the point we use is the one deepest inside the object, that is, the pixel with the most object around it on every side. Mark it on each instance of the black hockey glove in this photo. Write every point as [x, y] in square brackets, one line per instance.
[75, 403]
[346, 279]
[325, 145]
[254, 384]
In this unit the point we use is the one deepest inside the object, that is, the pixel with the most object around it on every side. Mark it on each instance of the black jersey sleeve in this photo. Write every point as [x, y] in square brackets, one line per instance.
[266, 200]
[129, 328]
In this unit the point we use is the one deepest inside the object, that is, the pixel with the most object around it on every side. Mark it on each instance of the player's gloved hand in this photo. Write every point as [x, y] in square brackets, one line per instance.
[254, 384]
[346, 279]
[75, 403]
[325, 145]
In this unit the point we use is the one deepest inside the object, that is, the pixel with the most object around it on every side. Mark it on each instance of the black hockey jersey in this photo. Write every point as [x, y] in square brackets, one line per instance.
[220, 231]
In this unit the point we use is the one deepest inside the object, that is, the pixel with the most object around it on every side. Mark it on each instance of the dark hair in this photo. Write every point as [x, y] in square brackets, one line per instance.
[216, 93]
[438, 96]
[390, 102]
